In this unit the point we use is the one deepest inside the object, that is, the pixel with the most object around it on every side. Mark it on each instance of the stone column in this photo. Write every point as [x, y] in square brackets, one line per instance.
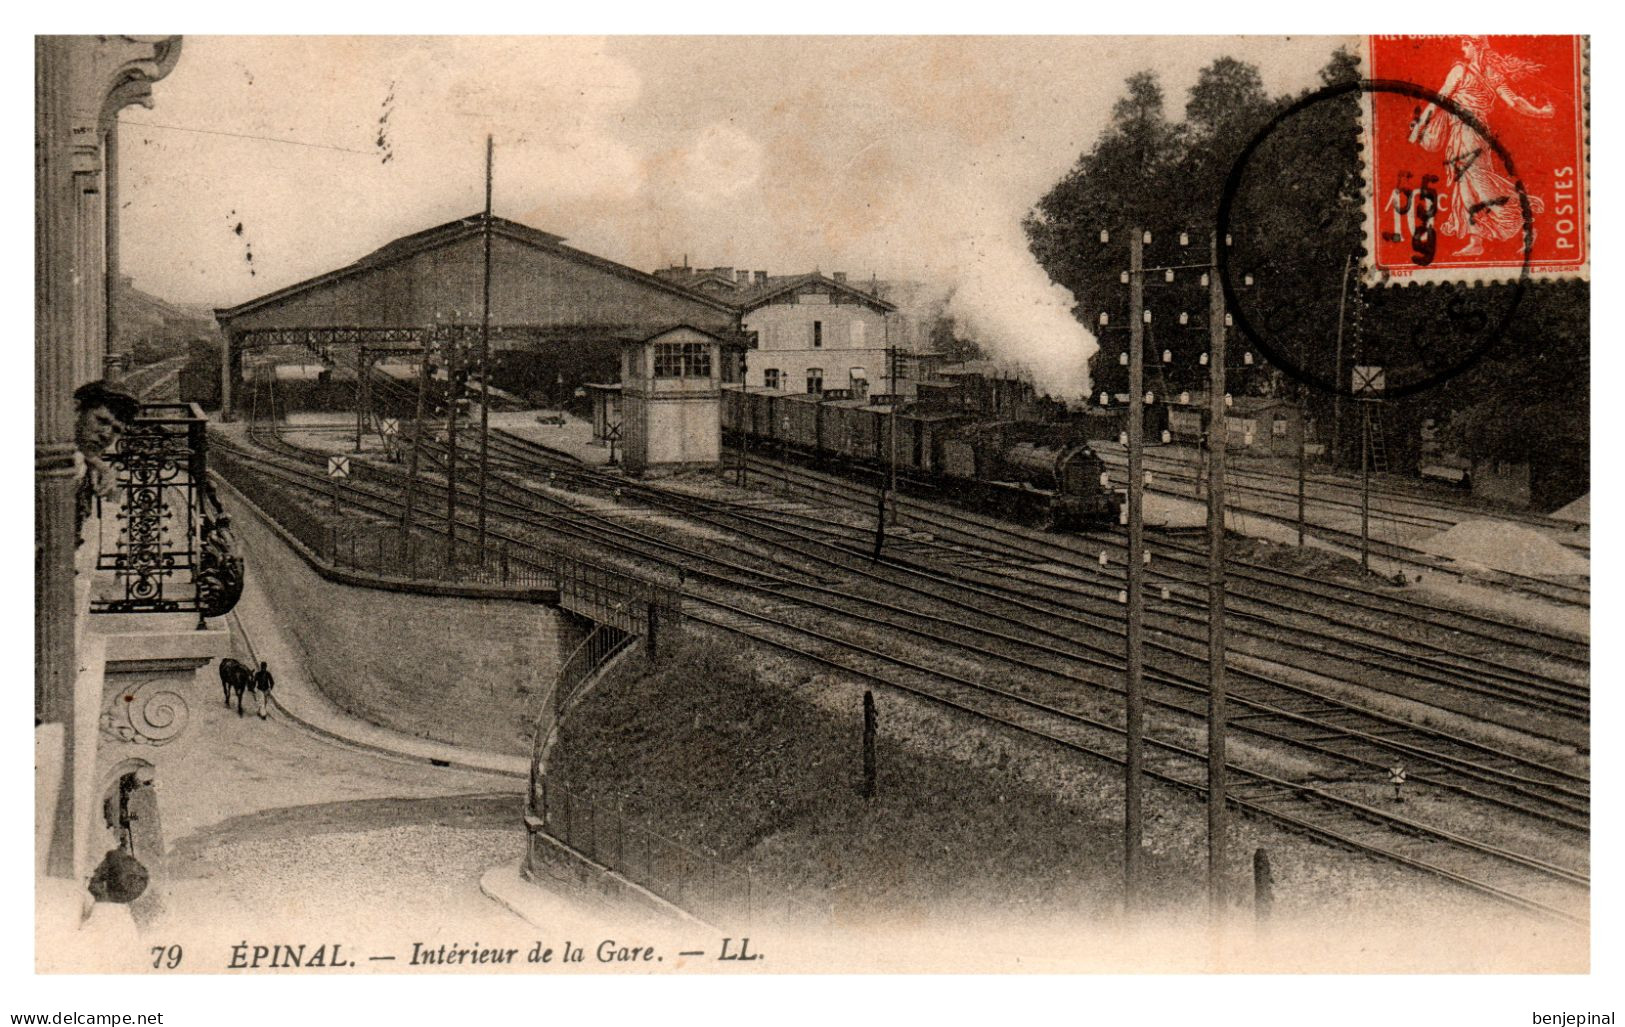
[80, 84]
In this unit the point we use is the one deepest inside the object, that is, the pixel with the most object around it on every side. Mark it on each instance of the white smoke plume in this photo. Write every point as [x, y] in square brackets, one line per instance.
[1004, 301]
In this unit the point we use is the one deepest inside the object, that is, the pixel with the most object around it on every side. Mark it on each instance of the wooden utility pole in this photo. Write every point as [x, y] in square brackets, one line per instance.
[1365, 485]
[896, 401]
[1337, 371]
[485, 353]
[360, 386]
[1134, 699]
[1216, 591]
[452, 394]
[1303, 453]
[417, 439]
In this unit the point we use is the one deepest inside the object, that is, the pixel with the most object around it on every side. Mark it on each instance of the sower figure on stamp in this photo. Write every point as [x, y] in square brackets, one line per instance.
[1399, 201]
[263, 683]
[1483, 204]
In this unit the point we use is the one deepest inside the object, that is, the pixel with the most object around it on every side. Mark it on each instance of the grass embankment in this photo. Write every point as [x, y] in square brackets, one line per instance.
[711, 752]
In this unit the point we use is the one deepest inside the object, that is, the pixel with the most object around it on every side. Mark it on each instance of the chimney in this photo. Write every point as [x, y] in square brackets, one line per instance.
[725, 272]
[761, 278]
[744, 277]
[839, 276]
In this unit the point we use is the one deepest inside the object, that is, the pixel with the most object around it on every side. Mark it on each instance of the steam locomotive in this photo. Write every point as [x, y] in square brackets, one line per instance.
[1041, 473]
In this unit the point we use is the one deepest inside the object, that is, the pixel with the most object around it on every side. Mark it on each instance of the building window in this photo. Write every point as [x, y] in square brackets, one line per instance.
[858, 375]
[818, 334]
[770, 377]
[682, 360]
[815, 380]
[1278, 427]
[857, 334]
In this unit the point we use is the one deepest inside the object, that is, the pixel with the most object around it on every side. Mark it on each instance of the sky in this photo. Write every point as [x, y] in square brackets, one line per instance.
[285, 157]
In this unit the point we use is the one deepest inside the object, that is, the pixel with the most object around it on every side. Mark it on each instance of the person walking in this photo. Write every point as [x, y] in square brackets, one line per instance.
[262, 687]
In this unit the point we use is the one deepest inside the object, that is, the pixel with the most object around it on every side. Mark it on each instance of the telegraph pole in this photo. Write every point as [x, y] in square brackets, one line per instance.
[417, 438]
[1365, 485]
[1134, 713]
[452, 393]
[360, 386]
[896, 401]
[485, 353]
[1303, 455]
[1337, 371]
[1215, 592]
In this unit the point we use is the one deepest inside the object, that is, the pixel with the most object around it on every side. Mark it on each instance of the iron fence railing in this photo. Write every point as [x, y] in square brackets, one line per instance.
[699, 882]
[152, 544]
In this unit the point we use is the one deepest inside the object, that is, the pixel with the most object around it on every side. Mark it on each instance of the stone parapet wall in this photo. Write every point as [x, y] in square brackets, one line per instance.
[454, 669]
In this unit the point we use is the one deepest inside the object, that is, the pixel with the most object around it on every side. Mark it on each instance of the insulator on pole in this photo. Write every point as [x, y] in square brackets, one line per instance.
[1104, 559]
[1204, 280]
[1122, 358]
[1184, 239]
[1167, 356]
[1146, 477]
[1168, 275]
[1227, 239]
[1203, 360]
[1165, 591]
[1105, 318]
[1147, 560]
[1122, 440]
[1105, 479]
[1246, 279]
[1146, 316]
[1227, 400]
[1105, 399]
[1123, 278]
[1122, 595]
[1167, 436]
[1227, 321]
[1247, 357]
[1147, 238]
[1184, 318]
[1149, 397]
[1184, 397]
[1105, 236]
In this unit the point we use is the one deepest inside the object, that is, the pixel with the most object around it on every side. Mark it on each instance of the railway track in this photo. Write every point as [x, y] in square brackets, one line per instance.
[606, 532]
[1388, 501]
[1393, 551]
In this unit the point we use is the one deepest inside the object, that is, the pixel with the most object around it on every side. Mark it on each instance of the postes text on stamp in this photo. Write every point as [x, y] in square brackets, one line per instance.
[1484, 178]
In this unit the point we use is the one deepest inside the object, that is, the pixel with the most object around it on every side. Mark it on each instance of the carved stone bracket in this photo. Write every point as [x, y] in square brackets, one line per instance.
[150, 713]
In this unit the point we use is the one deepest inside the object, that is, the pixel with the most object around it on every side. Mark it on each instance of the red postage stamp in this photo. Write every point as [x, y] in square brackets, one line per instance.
[1476, 158]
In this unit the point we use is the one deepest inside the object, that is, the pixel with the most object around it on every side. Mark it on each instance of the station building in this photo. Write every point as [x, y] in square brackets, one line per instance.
[559, 316]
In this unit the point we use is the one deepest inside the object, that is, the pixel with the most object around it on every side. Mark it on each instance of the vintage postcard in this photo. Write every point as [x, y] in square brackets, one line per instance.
[742, 505]
[1478, 158]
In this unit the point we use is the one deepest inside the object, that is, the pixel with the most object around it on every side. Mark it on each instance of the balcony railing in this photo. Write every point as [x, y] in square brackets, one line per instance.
[153, 541]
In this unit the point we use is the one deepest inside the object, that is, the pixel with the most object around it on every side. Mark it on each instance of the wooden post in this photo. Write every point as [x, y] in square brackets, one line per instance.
[417, 442]
[453, 393]
[1263, 886]
[869, 719]
[1216, 592]
[652, 640]
[360, 379]
[1365, 485]
[1134, 700]
[485, 354]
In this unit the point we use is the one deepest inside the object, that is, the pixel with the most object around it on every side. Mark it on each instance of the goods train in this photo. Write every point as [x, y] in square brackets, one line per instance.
[1038, 473]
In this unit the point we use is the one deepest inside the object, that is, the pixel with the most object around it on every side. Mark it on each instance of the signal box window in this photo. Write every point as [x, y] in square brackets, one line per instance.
[682, 360]
[815, 380]
[770, 377]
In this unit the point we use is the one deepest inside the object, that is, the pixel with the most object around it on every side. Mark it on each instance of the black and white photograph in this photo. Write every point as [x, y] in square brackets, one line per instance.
[750, 505]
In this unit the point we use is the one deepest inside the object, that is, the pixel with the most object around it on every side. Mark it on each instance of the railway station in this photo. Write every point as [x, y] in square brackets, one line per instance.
[487, 574]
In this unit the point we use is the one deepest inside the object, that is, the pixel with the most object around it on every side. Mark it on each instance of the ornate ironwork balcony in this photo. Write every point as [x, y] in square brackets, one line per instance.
[168, 555]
